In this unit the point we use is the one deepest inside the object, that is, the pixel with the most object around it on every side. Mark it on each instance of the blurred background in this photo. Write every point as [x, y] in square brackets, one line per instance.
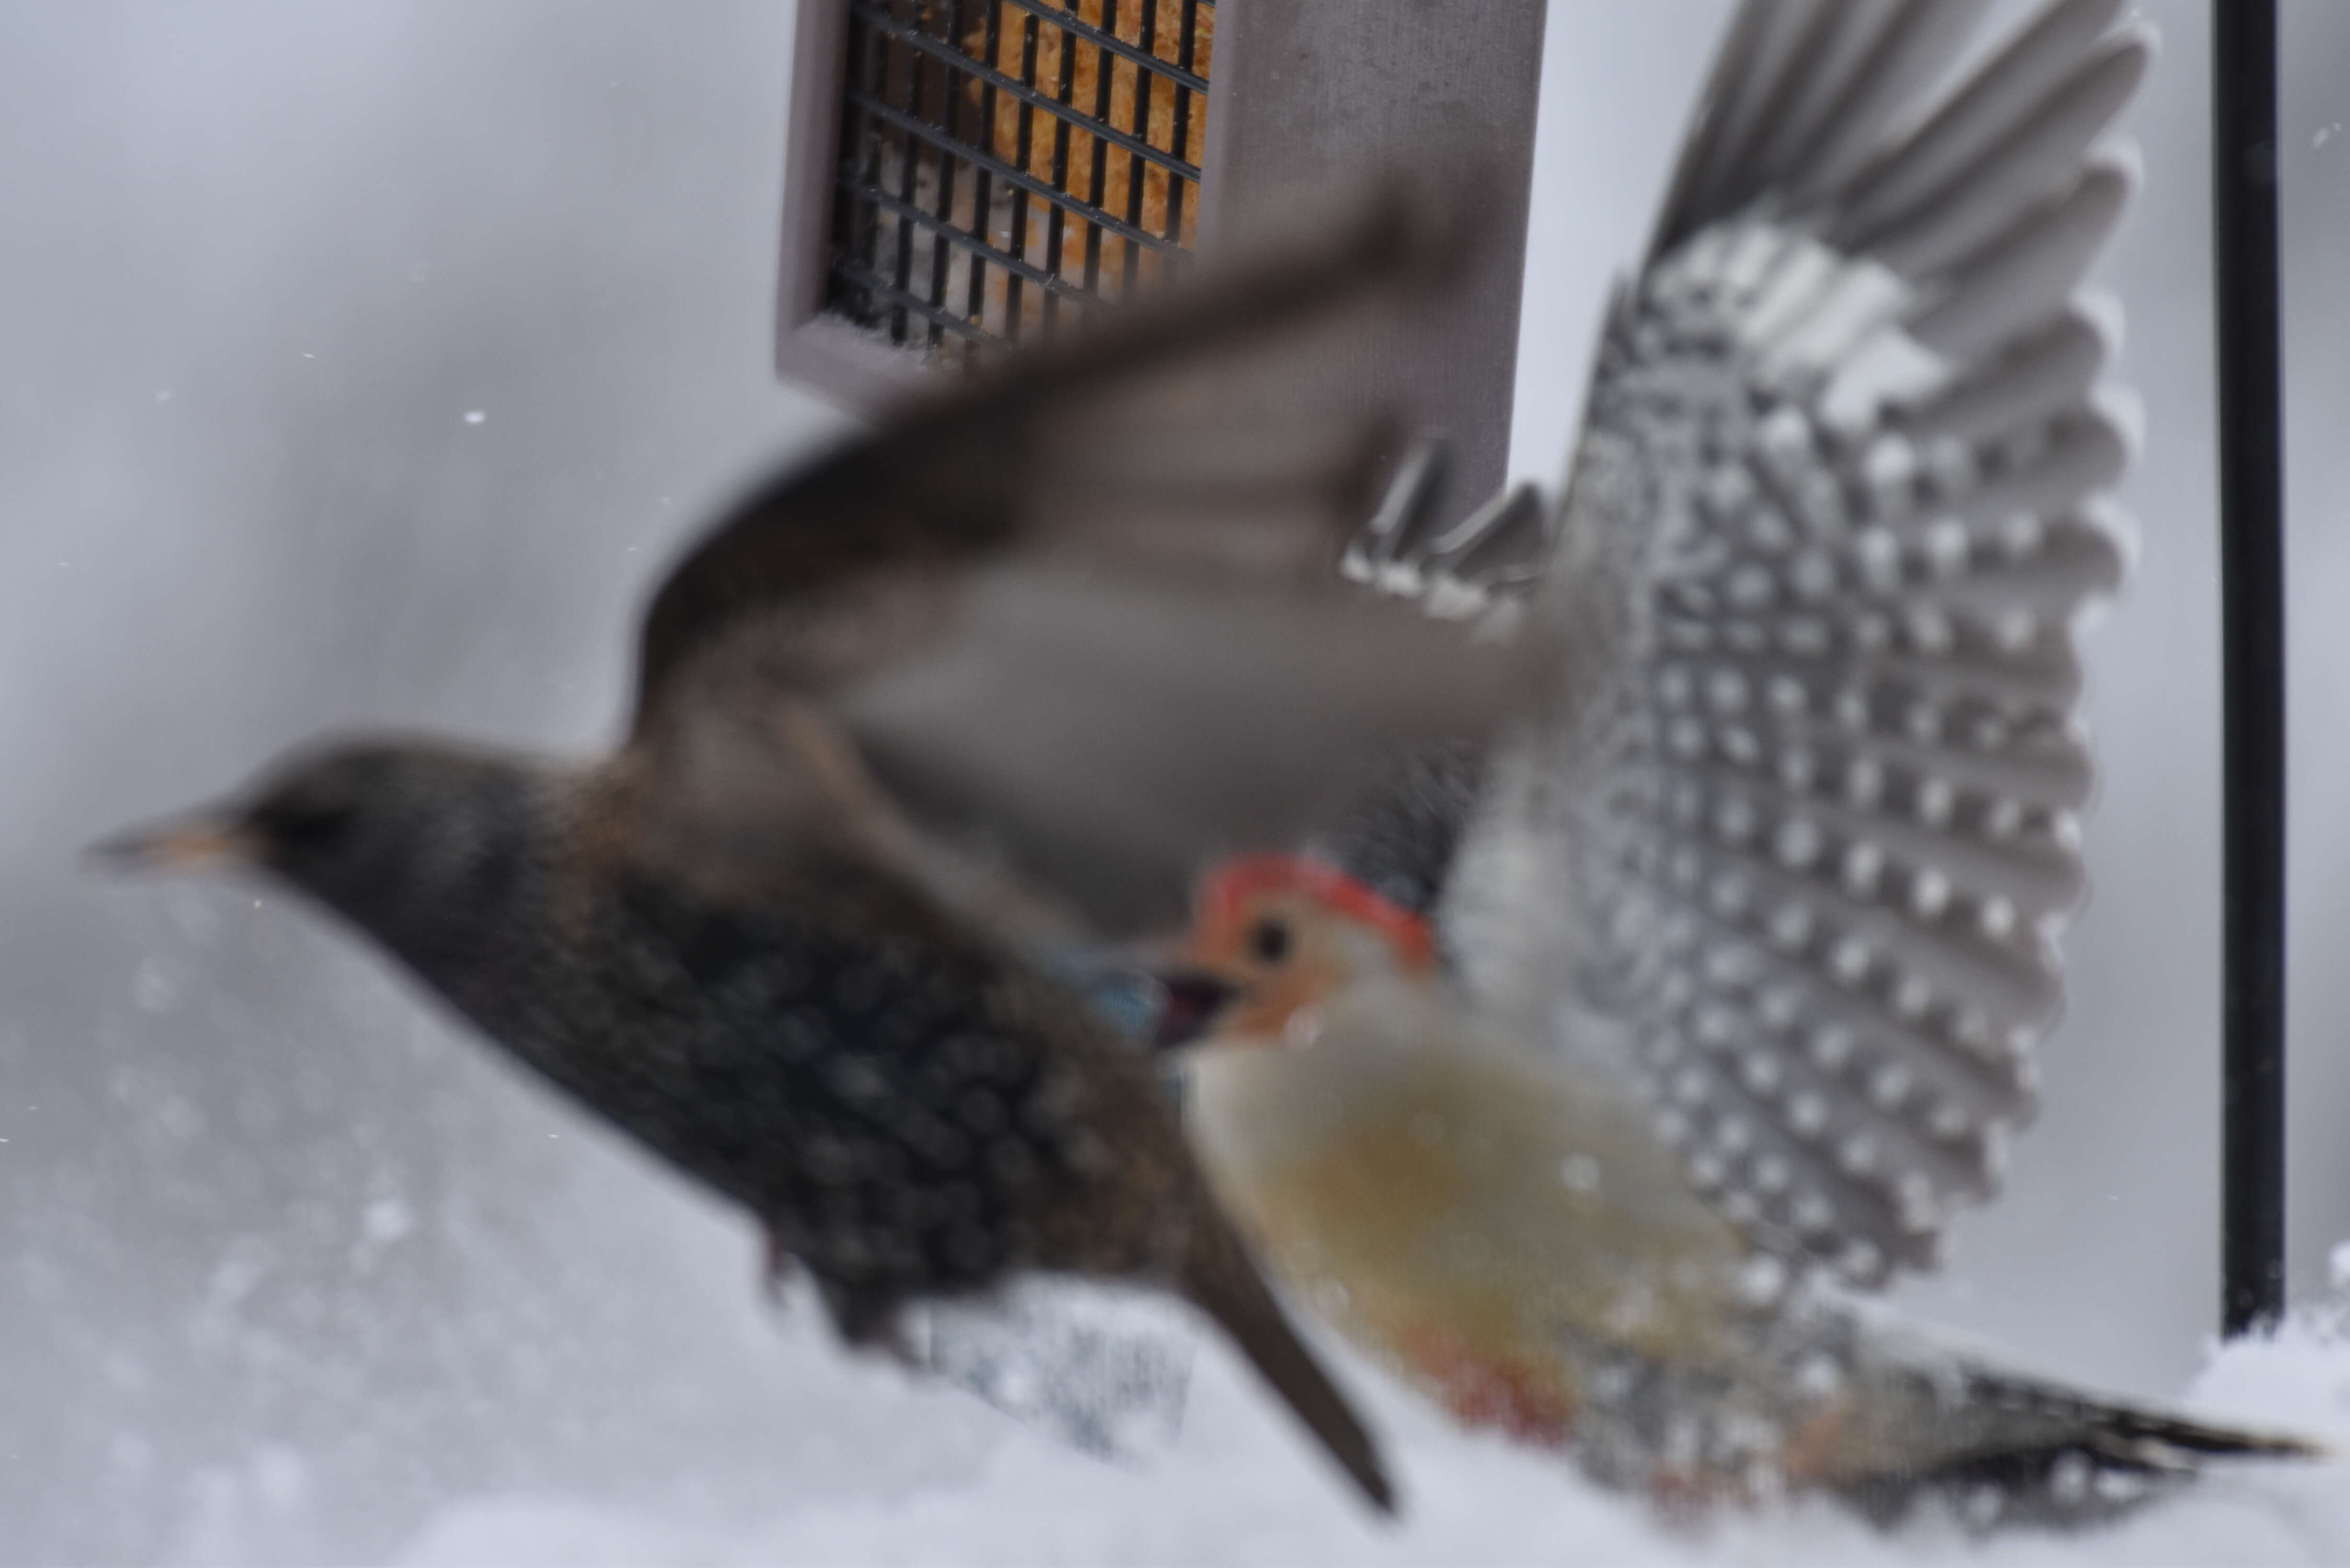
[358, 364]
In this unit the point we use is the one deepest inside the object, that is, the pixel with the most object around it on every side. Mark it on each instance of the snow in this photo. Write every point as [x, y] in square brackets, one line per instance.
[1239, 1486]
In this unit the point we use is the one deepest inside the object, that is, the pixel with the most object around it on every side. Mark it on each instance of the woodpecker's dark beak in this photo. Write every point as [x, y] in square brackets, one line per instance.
[1190, 1005]
[192, 845]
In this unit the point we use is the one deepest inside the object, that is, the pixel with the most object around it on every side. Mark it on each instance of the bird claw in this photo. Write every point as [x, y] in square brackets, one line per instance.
[900, 1343]
[883, 1327]
[891, 1334]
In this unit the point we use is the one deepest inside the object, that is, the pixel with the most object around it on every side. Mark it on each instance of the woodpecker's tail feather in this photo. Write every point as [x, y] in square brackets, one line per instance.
[1222, 1281]
[2015, 1451]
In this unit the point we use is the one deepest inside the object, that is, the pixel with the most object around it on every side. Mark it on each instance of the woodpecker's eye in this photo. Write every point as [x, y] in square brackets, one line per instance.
[1268, 940]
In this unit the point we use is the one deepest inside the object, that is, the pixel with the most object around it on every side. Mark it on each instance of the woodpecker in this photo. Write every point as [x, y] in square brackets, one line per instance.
[1653, 1029]
[1086, 605]
[1500, 1229]
[1762, 905]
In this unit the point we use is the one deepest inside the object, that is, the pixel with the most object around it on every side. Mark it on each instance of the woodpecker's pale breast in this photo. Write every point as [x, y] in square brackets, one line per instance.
[1474, 1215]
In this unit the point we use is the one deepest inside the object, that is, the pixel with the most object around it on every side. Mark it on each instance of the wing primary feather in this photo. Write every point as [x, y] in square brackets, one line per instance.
[1809, 51]
[1835, 60]
[1514, 524]
[1393, 534]
[1761, 46]
[1710, 119]
[1982, 111]
[2033, 160]
[1490, 558]
[2032, 381]
[1913, 51]
[2022, 276]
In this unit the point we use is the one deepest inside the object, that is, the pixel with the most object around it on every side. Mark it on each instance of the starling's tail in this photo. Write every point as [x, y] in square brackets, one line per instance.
[2014, 1450]
[1222, 1280]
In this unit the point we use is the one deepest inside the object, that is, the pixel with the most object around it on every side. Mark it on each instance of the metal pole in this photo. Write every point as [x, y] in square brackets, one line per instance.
[2252, 592]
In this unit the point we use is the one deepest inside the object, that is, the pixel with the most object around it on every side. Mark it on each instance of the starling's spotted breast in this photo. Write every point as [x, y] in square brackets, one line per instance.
[858, 1090]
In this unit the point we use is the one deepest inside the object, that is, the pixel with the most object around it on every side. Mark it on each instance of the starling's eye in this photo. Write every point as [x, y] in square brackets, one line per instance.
[308, 824]
[1268, 941]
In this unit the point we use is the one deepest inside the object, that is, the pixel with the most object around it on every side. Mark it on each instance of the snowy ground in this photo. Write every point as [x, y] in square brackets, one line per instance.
[1238, 1487]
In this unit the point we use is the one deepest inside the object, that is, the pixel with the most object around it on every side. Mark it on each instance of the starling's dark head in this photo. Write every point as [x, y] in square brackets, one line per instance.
[385, 831]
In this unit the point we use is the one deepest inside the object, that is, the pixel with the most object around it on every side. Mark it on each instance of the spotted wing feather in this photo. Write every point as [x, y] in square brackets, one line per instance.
[1834, 518]
[1839, 492]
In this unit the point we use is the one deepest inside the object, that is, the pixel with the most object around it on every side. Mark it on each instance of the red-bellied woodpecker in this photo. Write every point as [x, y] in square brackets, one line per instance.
[1753, 925]
[1501, 1229]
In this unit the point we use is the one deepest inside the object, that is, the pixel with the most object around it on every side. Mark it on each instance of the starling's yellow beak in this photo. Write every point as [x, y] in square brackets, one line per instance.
[188, 846]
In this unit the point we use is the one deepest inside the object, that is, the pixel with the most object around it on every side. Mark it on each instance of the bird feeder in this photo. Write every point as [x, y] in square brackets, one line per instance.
[965, 174]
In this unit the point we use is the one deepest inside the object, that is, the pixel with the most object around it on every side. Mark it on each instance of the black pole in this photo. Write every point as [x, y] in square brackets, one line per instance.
[2252, 595]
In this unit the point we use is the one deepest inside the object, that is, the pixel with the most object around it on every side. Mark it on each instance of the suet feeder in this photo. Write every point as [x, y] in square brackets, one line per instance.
[963, 174]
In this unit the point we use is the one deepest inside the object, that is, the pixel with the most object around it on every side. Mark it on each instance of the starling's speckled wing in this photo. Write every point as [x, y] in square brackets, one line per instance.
[1830, 525]
[1087, 610]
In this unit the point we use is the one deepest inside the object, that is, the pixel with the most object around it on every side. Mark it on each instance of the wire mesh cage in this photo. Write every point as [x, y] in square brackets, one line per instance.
[1006, 161]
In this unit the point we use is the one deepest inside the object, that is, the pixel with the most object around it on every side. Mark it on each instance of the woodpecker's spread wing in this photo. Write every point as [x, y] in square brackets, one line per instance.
[1840, 475]
[1087, 610]
[1831, 524]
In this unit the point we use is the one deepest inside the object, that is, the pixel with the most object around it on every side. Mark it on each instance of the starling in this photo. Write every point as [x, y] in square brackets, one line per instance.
[1007, 666]
[1497, 1225]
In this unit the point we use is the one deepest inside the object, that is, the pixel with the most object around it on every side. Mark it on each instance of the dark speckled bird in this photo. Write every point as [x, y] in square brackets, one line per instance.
[1009, 668]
